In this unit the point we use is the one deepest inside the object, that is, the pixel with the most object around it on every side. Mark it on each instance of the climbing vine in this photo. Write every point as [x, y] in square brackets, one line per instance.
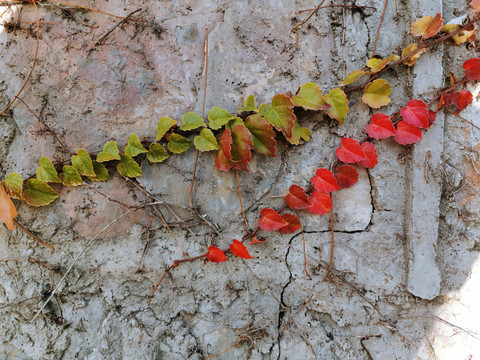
[233, 137]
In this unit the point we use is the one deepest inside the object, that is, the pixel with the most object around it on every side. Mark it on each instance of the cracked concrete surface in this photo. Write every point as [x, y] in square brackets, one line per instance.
[406, 251]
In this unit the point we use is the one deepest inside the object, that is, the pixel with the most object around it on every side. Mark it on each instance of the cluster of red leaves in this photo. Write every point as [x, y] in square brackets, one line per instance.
[217, 255]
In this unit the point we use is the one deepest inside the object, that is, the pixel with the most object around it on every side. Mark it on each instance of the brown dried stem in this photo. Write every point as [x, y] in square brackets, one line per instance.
[295, 28]
[28, 232]
[379, 26]
[241, 203]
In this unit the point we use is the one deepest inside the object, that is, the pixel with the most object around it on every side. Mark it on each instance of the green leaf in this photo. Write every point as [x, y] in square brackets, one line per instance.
[237, 121]
[178, 144]
[309, 96]
[263, 136]
[157, 153]
[128, 167]
[248, 105]
[134, 146]
[339, 102]
[217, 117]
[206, 141]
[110, 152]
[38, 193]
[46, 171]
[191, 121]
[376, 93]
[13, 185]
[83, 163]
[280, 114]
[299, 133]
[101, 172]
[163, 126]
[352, 77]
[70, 176]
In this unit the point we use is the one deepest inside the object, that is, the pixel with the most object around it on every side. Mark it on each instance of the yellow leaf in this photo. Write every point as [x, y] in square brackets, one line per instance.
[352, 77]
[376, 65]
[7, 209]
[376, 93]
[411, 59]
[339, 104]
[427, 26]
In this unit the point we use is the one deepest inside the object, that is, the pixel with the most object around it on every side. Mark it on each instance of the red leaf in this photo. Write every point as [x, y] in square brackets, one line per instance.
[215, 255]
[297, 199]
[320, 203]
[242, 146]
[432, 115]
[347, 176]
[370, 154]
[325, 181]
[415, 113]
[381, 127]
[350, 151]
[461, 99]
[293, 224]
[256, 241]
[270, 220]
[407, 134]
[238, 249]
[472, 69]
[223, 161]
[263, 136]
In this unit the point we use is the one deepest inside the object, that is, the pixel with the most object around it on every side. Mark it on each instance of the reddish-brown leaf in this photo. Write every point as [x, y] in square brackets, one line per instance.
[325, 181]
[347, 176]
[215, 255]
[238, 249]
[270, 220]
[297, 199]
[223, 161]
[242, 146]
[293, 224]
[415, 113]
[320, 203]
[7, 209]
[461, 99]
[472, 69]
[432, 115]
[407, 134]
[263, 136]
[350, 151]
[370, 154]
[381, 127]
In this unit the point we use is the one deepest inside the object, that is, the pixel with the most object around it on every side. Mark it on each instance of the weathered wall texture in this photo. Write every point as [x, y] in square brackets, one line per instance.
[409, 246]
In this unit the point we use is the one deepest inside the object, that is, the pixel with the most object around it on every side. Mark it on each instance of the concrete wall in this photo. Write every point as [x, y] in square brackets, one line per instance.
[408, 247]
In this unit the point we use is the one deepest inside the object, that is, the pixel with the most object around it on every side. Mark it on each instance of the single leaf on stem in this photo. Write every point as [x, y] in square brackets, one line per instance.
[309, 96]
[13, 185]
[46, 171]
[263, 136]
[376, 93]
[427, 26]
[297, 199]
[156, 153]
[298, 133]
[350, 151]
[38, 193]
[70, 176]
[270, 220]
[352, 77]
[415, 113]
[178, 144]
[134, 146]
[101, 172]
[240, 250]
[241, 149]
[83, 163]
[191, 121]
[164, 124]
[381, 127]
[128, 167]
[7, 209]
[280, 114]
[206, 141]
[339, 105]
[407, 134]
[223, 161]
[248, 105]
[324, 181]
[347, 176]
[376, 65]
[461, 99]
[215, 255]
[293, 224]
[217, 117]
[320, 203]
[472, 69]
[410, 61]
[110, 152]
[370, 156]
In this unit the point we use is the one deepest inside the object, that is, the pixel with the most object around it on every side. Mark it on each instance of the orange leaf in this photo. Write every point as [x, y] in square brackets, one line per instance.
[7, 209]
[215, 255]
[238, 249]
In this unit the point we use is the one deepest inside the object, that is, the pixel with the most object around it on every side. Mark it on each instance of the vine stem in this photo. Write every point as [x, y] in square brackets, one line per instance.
[76, 259]
[295, 28]
[296, 312]
[190, 201]
[304, 250]
[28, 232]
[86, 8]
[328, 277]
[241, 203]
[33, 64]
[379, 27]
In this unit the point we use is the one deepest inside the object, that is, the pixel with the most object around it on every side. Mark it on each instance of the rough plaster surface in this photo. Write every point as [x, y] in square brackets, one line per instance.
[408, 248]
